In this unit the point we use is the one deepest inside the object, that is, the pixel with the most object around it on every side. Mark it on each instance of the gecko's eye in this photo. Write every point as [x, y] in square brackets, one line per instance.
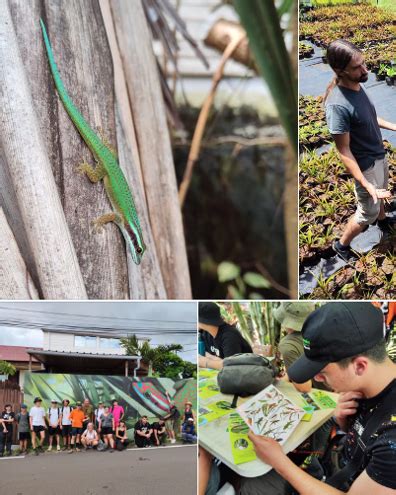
[139, 250]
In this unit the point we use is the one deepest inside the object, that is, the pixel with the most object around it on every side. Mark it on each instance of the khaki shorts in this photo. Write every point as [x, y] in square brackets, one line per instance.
[170, 424]
[367, 212]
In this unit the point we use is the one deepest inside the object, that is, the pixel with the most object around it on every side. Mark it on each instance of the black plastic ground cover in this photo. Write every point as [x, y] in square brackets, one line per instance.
[314, 76]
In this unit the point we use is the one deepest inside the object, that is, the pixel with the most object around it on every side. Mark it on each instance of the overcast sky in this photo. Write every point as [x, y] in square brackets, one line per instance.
[150, 319]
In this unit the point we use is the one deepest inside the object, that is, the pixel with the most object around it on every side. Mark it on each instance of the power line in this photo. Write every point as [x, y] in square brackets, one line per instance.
[113, 318]
[95, 329]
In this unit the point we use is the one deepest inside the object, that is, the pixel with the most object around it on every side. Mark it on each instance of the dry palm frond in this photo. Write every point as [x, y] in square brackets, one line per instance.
[160, 15]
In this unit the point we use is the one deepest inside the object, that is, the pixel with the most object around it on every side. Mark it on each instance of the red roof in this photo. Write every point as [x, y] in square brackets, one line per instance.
[16, 353]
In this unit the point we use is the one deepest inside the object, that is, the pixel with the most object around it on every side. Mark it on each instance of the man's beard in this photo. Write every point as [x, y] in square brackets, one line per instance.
[363, 78]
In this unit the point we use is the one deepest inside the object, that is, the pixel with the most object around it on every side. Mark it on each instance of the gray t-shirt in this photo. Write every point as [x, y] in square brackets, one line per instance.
[107, 421]
[23, 422]
[353, 111]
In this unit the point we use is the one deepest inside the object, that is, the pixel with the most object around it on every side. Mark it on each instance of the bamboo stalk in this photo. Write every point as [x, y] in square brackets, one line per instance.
[203, 117]
[15, 280]
[31, 175]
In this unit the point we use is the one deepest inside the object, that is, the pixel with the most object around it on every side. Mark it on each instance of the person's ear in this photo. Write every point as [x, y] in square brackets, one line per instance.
[360, 365]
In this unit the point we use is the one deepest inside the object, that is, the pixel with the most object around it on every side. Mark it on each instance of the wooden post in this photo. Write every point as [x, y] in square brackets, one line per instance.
[15, 280]
[126, 367]
[158, 170]
[145, 281]
[30, 171]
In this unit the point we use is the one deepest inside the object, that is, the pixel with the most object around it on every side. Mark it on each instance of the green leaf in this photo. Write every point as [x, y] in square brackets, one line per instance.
[234, 292]
[255, 295]
[227, 271]
[256, 280]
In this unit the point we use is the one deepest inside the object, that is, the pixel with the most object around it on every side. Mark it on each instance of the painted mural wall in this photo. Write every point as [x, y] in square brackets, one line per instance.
[143, 396]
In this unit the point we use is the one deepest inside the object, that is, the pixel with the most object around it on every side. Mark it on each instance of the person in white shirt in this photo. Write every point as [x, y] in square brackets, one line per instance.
[65, 423]
[98, 413]
[90, 437]
[53, 419]
[37, 425]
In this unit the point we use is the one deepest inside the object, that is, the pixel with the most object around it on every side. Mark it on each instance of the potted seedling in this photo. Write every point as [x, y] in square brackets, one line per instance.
[381, 74]
[390, 76]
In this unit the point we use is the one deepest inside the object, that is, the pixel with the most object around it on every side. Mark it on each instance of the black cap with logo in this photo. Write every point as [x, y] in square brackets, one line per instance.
[335, 331]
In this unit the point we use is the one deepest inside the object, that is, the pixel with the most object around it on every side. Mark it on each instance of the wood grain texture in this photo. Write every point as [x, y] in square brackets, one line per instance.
[15, 280]
[26, 157]
[84, 48]
[149, 118]
[145, 281]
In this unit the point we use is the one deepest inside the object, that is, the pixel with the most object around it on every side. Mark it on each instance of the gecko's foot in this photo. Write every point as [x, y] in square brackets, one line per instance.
[99, 223]
[94, 174]
[84, 168]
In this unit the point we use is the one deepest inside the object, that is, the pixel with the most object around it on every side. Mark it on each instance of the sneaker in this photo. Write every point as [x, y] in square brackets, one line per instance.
[111, 450]
[78, 450]
[41, 449]
[70, 451]
[58, 448]
[173, 440]
[36, 451]
[344, 252]
[64, 447]
[49, 448]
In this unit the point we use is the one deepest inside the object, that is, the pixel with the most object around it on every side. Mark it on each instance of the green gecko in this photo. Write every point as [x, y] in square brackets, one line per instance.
[107, 168]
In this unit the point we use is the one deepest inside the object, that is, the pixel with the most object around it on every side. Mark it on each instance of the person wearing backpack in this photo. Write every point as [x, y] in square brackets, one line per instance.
[53, 420]
[22, 419]
[344, 347]
[66, 424]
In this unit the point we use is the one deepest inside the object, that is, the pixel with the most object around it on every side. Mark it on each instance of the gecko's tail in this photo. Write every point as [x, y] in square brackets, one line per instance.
[86, 132]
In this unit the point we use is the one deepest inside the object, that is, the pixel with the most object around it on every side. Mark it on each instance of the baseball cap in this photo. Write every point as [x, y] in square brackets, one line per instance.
[335, 331]
[37, 399]
[190, 419]
[209, 313]
[293, 314]
[23, 406]
[54, 401]
[78, 403]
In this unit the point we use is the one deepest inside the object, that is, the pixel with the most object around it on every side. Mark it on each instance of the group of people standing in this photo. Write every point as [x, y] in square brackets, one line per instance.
[79, 426]
[82, 426]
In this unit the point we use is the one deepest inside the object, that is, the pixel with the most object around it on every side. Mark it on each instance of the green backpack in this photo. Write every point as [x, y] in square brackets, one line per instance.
[245, 374]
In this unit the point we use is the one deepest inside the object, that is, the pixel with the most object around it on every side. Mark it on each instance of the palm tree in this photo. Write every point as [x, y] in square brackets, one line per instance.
[150, 355]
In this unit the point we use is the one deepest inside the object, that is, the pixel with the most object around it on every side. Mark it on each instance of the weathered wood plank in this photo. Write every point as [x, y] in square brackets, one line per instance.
[145, 281]
[154, 144]
[15, 280]
[25, 156]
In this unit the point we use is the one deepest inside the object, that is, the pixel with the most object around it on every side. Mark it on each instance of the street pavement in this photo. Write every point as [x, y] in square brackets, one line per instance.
[154, 471]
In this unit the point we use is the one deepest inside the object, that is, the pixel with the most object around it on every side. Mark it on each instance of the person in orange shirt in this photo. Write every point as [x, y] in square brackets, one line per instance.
[77, 417]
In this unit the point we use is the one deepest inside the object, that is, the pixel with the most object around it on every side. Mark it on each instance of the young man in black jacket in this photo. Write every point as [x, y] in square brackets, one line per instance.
[344, 347]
